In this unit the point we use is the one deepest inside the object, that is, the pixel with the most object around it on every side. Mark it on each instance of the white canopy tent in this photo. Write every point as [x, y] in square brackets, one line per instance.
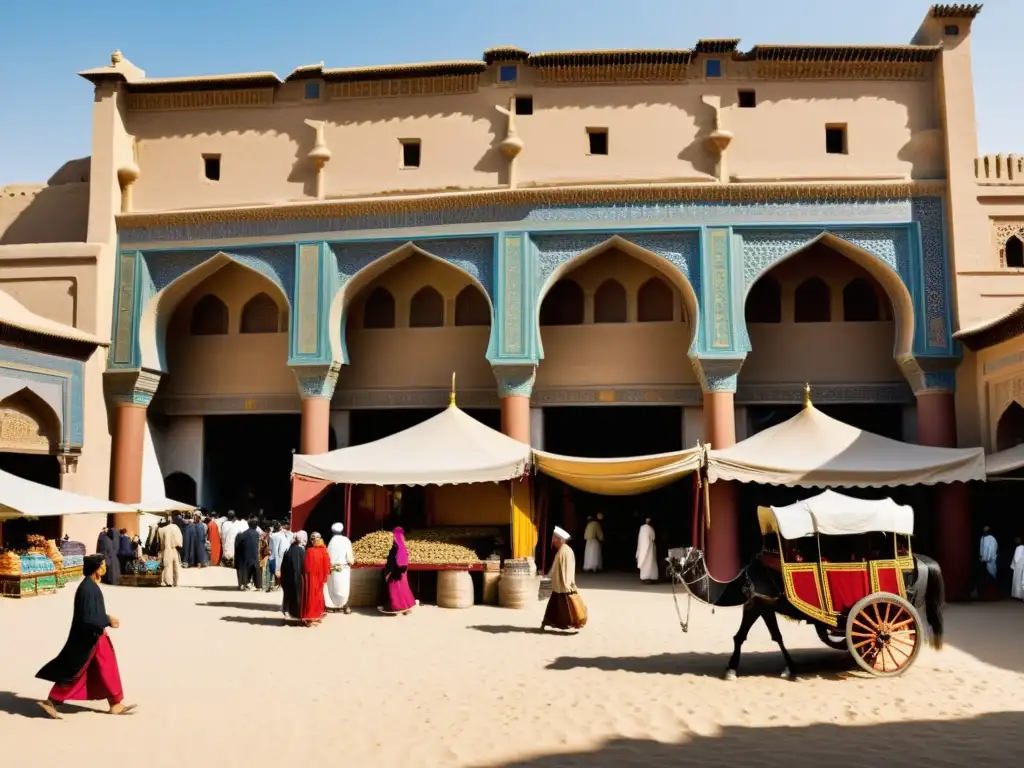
[1004, 462]
[622, 476]
[833, 514]
[447, 449]
[815, 450]
[23, 498]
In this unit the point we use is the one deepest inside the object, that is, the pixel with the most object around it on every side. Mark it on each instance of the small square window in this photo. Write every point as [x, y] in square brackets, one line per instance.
[312, 90]
[713, 68]
[835, 139]
[598, 138]
[951, 30]
[524, 105]
[508, 73]
[748, 99]
[410, 153]
[211, 167]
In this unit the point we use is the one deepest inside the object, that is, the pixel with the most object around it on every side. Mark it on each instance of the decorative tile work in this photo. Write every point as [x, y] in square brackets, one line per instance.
[514, 265]
[307, 316]
[472, 255]
[515, 379]
[276, 263]
[638, 212]
[121, 354]
[227, 404]
[317, 380]
[1016, 358]
[135, 387]
[718, 260]
[939, 380]
[66, 374]
[928, 213]
[680, 248]
[717, 374]
[793, 392]
[412, 398]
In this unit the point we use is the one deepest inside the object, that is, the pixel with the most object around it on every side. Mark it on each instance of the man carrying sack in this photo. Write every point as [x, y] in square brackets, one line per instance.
[566, 609]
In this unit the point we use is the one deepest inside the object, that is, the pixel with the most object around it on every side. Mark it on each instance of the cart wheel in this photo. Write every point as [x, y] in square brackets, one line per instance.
[832, 637]
[883, 634]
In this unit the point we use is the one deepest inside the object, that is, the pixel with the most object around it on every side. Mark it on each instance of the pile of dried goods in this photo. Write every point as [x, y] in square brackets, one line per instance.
[423, 550]
[10, 564]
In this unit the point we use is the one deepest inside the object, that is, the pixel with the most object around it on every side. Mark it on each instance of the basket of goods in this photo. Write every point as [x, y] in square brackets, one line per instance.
[141, 573]
[425, 549]
[36, 575]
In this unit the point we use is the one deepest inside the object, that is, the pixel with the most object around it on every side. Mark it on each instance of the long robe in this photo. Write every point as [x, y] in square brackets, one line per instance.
[88, 623]
[228, 536]
[1017, 566]
[318, 568]
[558, 613]
[201, 556]
[188, 546]
[593, 535]
[293, 567]
[247, 557]
[396, 578]
[213, 534]
[340, 581]
[647, 554]
[108, 545]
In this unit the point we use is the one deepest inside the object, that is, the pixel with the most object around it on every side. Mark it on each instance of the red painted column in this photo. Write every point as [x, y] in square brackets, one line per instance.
[126, 461]
[316, 425]
[936, 426]
[515, 417]
[723, 536]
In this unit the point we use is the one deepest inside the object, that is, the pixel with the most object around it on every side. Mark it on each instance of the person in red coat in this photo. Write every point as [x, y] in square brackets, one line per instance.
[213, 533]
[317, 570]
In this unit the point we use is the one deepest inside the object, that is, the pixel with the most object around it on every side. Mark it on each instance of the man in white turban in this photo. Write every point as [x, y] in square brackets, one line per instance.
[566, 609]
[338, 583]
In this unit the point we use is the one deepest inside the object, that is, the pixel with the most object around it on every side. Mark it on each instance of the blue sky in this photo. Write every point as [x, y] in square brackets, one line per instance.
[43, 43]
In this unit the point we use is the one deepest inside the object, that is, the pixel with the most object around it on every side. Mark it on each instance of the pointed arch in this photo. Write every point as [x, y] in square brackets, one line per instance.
[860, 302]
[34, 425]
[379, 309]
[260, 315]
[764, 302]
[887, 277]
[672, 273]
[160, 308]
[567, 304]
[812, 301]
[1014, 252]
[343, 298]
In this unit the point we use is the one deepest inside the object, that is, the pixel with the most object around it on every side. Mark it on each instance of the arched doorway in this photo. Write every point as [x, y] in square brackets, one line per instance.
[410, 321]
[615, 328]
[181, 487]
[29, 438]
[226, 354]
[1010, 427]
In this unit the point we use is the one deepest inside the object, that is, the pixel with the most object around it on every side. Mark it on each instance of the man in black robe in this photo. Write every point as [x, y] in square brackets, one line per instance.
[108, 545]
[200, 535]
[86, 667]
[292, 569]
[247, 557]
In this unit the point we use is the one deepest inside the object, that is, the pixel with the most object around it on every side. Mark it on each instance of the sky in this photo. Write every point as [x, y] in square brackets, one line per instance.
[45, 109]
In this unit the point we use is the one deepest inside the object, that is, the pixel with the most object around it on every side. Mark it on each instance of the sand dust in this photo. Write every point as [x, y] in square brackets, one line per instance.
[219, 682]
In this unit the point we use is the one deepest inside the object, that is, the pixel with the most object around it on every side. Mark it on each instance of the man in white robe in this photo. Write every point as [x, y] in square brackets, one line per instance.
[228, 534]
[647, 554]
[593, 535]
[1017, 566]
[342, 559]
[989, 551]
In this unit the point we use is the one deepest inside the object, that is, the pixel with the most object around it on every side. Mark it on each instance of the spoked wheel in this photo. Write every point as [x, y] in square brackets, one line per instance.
[883, 634]
[832, 637]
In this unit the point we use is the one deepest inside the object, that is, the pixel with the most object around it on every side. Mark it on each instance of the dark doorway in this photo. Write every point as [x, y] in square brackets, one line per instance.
[180, 487]
[249, 462]
[38, 468]
[610, 431]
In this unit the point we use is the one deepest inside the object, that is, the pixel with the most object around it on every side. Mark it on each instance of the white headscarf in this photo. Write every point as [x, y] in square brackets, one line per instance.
[337, 529]
[302, 538]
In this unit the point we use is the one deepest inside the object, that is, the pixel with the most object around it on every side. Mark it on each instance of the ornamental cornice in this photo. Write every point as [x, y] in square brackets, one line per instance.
[540, 196]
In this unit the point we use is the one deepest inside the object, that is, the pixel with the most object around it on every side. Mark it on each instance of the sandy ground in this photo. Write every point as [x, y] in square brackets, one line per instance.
[220, 682]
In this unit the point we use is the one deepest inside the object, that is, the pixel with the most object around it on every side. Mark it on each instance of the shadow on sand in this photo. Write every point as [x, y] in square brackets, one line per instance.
[989, 632]
[824, 664]
[260, 621]
[505, 629]
[243, 606]
[988, 739]
[22, 706]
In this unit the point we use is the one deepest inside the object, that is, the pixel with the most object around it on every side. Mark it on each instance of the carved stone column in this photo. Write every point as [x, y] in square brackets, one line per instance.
[316, 387]
[130, 393]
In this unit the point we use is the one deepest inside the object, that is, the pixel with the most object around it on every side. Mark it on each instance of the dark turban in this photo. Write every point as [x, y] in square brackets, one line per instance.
[91, 564]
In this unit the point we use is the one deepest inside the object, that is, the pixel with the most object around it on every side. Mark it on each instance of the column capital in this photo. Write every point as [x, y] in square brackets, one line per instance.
[717, 374]
[930, 374]
[132, 387]
[515, 380]
[317, 380]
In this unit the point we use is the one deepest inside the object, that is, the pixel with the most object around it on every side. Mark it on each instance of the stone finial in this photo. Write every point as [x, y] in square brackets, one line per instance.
[511, 145]
[116, 58]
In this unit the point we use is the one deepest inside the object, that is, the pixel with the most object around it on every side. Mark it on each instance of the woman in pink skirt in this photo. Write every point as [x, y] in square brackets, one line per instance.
[398, 599]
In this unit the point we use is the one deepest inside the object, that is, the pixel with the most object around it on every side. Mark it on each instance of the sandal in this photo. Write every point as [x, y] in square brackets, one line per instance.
[124, 710]
[49, 709]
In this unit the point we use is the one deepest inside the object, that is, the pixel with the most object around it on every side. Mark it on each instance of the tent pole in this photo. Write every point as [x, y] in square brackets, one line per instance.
[348, 508]
[695, 510]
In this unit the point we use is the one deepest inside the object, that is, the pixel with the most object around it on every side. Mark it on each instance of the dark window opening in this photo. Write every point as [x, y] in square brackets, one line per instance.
[835, 139]
[260, 315]
[524, 105]
[812, 302]
[654, 302]
[563, 305]
[610, 302]
[508, 73]
[951, 30]
[426, 310]
[764, 302]
[1014, 252]
[379, 310]
[860, 302]
[211, 167]
[598, 138]
[209, 317]
[410, 153]
[312, 90]
[713, 68]
[748, 99]
[471, 307]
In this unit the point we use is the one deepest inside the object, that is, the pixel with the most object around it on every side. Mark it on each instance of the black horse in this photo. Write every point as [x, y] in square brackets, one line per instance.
[760, 591]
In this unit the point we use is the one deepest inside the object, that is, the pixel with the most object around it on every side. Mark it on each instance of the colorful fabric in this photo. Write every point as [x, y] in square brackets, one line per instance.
[99, 679]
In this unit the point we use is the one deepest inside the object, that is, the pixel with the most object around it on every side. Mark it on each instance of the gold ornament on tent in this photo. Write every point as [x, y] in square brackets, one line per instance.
[451, 397]
[807, 395]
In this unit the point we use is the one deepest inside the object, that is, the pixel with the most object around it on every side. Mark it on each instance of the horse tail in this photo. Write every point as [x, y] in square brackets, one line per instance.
[934, 598]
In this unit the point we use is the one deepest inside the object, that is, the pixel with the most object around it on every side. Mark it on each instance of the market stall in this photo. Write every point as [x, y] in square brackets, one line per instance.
[621, 476]
[41, 567]
[450, 449]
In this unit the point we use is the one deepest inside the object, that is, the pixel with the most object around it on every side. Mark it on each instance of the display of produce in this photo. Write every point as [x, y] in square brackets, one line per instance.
[33, 563]
[425, 548]
[36, 543]
[10, 564]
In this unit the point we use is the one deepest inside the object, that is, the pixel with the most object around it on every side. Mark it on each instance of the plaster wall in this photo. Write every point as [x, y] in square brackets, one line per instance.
[656, 133]
[41, 213]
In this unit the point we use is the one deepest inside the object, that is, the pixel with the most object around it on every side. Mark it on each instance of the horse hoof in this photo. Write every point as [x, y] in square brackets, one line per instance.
[730, 674]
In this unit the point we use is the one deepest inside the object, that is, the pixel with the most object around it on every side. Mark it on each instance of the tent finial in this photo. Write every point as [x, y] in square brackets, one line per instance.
[807, 395]
[451, 397]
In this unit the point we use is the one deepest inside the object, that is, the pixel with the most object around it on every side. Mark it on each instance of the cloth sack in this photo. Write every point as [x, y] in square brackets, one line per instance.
[578, 609]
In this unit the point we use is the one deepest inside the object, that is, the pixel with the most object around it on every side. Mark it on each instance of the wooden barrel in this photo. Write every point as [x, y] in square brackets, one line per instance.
[490, 587]
[366, 587]
[454, 589]
[517, 590]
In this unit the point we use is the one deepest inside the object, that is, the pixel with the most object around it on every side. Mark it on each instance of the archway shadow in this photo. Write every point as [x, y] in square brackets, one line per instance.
[991, 739]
